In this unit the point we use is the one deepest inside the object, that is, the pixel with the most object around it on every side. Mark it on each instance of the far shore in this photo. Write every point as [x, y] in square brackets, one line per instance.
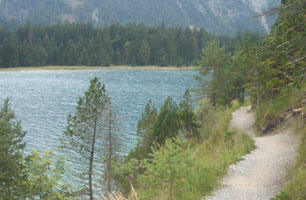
[121, 67]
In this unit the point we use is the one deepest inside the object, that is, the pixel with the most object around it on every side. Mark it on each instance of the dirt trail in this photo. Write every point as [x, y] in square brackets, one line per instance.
[261, 173]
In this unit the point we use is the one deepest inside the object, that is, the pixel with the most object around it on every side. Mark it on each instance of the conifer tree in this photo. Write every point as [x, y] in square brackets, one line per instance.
[145, 53]
[213, 63]
[11, 152]
[85, 132]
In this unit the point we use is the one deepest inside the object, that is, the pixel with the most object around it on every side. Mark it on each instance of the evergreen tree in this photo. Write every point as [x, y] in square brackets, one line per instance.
[85, 132]
[82, 44]
[213, 65]
[187, 117]
[144, 53]
[11, 153]
[163, 57]
[167, 124]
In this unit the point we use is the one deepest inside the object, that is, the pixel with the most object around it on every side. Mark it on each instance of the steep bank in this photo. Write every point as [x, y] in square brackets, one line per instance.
[261, 174]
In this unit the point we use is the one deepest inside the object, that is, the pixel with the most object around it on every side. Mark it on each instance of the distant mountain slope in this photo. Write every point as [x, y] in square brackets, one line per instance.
[217, 16]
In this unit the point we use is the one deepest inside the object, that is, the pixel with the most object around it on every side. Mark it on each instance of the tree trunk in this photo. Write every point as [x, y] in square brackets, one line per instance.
[9, 192]
[170, 189]
[214, 87]
[109, 162]
[91, 160]
[258, 94]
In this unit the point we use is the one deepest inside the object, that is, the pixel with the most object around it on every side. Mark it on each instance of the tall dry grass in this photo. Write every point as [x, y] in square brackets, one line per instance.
[119, 196]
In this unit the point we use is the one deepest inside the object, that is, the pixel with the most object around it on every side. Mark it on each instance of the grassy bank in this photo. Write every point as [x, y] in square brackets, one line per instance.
[192, 169]
[120, 67]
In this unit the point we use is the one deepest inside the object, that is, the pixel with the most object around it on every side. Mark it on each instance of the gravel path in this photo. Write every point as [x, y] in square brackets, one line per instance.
[261, 173]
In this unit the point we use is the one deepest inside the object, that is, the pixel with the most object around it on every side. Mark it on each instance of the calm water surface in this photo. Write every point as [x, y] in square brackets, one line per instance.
[43, 99]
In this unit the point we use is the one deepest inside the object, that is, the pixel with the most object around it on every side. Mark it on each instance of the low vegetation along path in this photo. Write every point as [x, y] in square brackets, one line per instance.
[260, 174]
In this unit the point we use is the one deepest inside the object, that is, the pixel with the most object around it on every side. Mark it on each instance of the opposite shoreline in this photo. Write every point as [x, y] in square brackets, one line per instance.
[120, 67]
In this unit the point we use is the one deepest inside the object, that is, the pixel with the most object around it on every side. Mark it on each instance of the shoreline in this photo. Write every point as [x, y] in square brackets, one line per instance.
[119, 67]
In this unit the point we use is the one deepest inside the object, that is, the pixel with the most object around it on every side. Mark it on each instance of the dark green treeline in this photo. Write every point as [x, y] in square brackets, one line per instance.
[83, 44]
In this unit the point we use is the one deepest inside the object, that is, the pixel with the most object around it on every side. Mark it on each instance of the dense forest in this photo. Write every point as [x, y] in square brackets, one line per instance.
[82, 44]
[181, 151]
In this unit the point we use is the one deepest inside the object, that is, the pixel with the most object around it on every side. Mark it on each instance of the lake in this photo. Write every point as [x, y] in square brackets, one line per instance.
[43, 99]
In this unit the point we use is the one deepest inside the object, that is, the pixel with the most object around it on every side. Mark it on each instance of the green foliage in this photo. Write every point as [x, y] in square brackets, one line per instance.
[85, 133]
[279, 65]
[276, 109]
[188, 118]
[145, 129]
[44, 177]
[184, 165]
[211, 70]
[171, 169]
[11, 153]
[27, 177]
[223, 76]
[154, 129]
[206, 117]
[167, 123]
[280, 84]
[185, 170]
[82, 44]
[126, 173]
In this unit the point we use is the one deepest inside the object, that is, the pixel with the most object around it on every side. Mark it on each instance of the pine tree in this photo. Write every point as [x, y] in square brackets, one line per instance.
[167, 124]
[187, 117]
[85, 132]
[144, 53]
[213, 73]
[11, 153]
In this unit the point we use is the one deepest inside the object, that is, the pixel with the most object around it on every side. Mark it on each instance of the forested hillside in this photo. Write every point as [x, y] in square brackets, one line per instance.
[82, 44]
[181, 152]
[225, 17]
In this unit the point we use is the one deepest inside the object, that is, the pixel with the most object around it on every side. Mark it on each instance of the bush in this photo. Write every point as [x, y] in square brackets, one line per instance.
[186, 170]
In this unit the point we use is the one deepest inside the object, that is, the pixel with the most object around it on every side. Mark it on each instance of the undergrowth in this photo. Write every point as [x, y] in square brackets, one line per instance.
[273, 111]
[184, 169]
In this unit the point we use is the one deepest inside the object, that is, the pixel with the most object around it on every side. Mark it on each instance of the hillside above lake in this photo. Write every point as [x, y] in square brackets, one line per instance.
[217, 16]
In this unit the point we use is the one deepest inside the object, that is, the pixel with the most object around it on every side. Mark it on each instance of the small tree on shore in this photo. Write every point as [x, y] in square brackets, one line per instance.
[85, 134]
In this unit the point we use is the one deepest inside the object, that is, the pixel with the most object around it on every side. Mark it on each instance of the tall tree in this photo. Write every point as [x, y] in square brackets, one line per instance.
[187, 117]
[112, 143]
[85, 130]
[212, 65]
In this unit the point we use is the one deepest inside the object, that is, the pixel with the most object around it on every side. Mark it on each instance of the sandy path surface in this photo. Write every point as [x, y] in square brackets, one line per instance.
[260, 174]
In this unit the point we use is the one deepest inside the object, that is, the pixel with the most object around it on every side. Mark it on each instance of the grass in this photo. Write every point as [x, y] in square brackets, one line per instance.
[202, 164]
[226, 146]
[192, 169]
[96, 67]
[275, 110]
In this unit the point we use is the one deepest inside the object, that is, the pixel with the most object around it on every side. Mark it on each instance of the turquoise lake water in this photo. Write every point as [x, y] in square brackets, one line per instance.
[43, 99]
